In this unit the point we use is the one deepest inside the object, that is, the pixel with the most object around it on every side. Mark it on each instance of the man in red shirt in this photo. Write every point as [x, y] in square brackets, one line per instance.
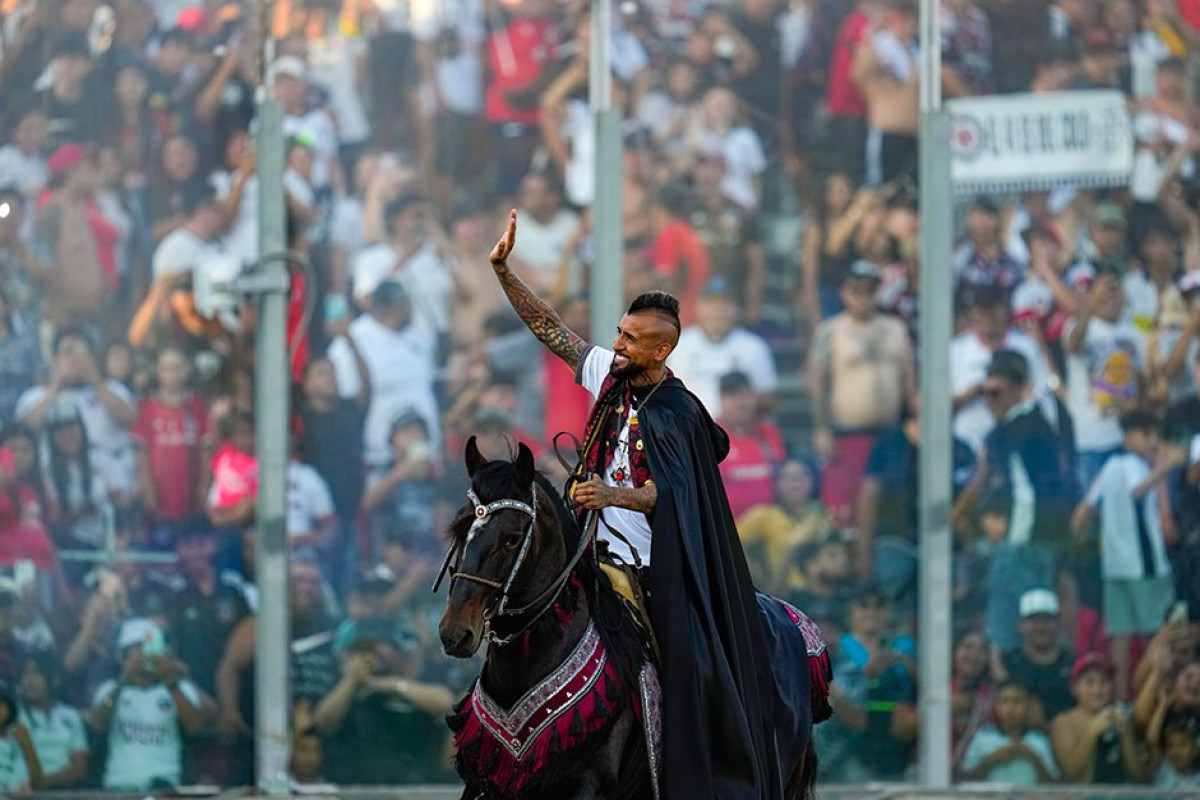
[678, 254]
[755, 446]
[846, 104]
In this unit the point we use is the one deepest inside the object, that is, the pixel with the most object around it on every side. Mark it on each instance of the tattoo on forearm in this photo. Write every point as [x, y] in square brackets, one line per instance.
[643, 499]
[540, 318]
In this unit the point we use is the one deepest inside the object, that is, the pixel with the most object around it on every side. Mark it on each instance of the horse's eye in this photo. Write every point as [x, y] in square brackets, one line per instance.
[510, 541]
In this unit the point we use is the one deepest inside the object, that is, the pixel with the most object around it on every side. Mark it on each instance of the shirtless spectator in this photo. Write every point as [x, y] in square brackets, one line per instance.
[886, 70]
[862, 378]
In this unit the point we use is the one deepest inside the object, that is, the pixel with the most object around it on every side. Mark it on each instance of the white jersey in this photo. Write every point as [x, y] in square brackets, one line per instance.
[144, 738]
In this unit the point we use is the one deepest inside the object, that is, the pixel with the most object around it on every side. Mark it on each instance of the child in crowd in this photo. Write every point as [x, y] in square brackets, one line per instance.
[1010, 751]
[1138, 588]
[1180, 767]
[1094, 741]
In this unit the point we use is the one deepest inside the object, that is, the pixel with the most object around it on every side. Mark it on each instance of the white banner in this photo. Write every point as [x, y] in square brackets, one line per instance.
[1027, 142]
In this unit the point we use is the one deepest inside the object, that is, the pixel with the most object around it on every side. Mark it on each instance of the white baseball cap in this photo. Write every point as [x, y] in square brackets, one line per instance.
[1038, 601]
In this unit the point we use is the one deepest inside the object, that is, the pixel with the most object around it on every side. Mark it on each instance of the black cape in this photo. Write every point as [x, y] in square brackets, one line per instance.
[721, 702]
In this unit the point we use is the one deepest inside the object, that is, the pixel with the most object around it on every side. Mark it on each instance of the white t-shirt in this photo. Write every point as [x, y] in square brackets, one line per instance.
[1102, 378]
[182, 252]
[1194, 450]
[110, 444]
[333, 65]
[459, 74]
[969, 359]
[633, 525]
[1112, 493]
[744, 160]
[701, 363]
[402, 370]
[27, 174]
[319, 125]
[1146, 50]
[1019, 772]
[423, 275]
[14, 774]
[541, 247]
[346, 229]
[308, 499]
[242, 237]
[57, 734]
[144, 738]
[579, 129]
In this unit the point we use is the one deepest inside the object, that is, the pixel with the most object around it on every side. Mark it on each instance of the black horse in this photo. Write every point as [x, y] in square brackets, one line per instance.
[566, 705]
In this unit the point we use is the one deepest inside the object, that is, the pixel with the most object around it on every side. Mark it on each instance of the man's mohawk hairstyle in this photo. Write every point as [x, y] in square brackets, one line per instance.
[657, 302]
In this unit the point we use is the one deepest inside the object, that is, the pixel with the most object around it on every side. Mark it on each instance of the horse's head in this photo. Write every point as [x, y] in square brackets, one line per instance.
[500, 540]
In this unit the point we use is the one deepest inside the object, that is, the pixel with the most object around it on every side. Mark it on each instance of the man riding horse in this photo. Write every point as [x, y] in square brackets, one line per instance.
[650, 468]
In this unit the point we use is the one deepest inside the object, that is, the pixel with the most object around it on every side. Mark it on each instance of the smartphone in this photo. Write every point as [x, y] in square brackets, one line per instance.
[24, 574]
[153, 647]
[1179, 612]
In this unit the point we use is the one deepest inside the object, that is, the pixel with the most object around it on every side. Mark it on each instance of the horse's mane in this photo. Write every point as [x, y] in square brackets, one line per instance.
[499, 479]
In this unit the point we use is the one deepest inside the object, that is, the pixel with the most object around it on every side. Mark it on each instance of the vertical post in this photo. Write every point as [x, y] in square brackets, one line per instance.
[935, 453]
[607, 283]
[273, 644]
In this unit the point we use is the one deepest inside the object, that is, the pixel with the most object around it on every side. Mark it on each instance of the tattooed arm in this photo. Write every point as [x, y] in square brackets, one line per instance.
[537, 315]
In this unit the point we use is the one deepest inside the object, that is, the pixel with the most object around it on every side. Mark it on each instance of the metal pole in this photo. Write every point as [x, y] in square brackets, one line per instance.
[273, 643]
[607, 283]
[936, 325]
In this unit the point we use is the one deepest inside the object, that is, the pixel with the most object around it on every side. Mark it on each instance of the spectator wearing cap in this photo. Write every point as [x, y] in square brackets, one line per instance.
[678, 255]
[755, 445]
[56, 729]
[862, 380]
[731, 235]
[1040, 661]
[288, 77]
[1094, 741]
[982, 259]
[145, 712]
[547, 230]
[1106, 360]
[971, 352]
[410, 258]
[716, 345]
[1021, 469]
[1138, 588]
[69, 229]
[383, 725]
[399, 355]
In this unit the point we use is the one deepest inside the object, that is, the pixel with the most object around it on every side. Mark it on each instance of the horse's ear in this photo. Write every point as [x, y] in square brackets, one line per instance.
[475, 459]
[525, 468]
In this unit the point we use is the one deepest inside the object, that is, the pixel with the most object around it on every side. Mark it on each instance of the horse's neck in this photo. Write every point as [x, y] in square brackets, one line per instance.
[513, 669]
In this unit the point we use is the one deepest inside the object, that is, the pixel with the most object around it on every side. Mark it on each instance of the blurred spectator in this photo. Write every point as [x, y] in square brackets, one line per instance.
[730, 233]
[20, 359]
[971, 692]
[173, 181]
[301, 121]
[885, 70]
[145, 712]
[982, 260]
[23, 272]
[1020, 471]
[1178, 769]
[383, 726]
[400, 359]
[715, 130]
[546, 229]
[72, 113]
[680, 261]
[1011, 751]
[971, 353]
[233, 495]
[20, 769]
[13, 652]
[966, 49]
[311, 521]
[847, 106]
[716, 345]
[23, 164]
[755, 446]
[1137, 575]
[1094, 741]
[172, 433]
[1105, 363]
[402, 497]
[1040, 660]
[1098, 61]
[775, 531]
[829, 246]
[862, 378]
[22, 532]
[826, 579]
[56, 729]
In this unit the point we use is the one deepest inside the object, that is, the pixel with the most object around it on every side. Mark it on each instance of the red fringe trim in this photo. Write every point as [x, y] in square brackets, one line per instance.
[820, 673]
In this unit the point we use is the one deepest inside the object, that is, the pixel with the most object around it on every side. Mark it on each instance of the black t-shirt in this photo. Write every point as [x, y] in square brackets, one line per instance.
[200, 627]
[726, 231]
[893, 462]
[332, 443]
[384, 739]
[1049, 683]
[1182, 421]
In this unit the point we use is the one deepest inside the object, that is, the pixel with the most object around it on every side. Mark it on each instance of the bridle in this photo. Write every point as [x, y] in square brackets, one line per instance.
[499, 607]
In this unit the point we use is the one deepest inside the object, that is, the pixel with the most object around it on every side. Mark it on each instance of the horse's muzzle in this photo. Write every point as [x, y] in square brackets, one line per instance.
[458, 641]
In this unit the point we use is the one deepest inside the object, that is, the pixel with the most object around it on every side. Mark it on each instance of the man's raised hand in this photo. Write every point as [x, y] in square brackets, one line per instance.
[505, 246]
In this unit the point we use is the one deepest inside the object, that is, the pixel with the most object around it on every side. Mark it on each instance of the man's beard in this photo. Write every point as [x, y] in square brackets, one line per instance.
[627, 372]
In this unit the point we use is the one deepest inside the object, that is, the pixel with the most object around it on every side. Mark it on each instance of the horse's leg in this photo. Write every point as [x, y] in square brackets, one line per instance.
[588, 788]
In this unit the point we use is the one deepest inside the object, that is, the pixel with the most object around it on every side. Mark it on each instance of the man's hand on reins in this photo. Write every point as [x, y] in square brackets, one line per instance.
[594, 494]
[504, 247]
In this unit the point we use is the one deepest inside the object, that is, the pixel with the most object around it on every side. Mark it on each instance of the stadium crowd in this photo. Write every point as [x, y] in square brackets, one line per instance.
[769, 180]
